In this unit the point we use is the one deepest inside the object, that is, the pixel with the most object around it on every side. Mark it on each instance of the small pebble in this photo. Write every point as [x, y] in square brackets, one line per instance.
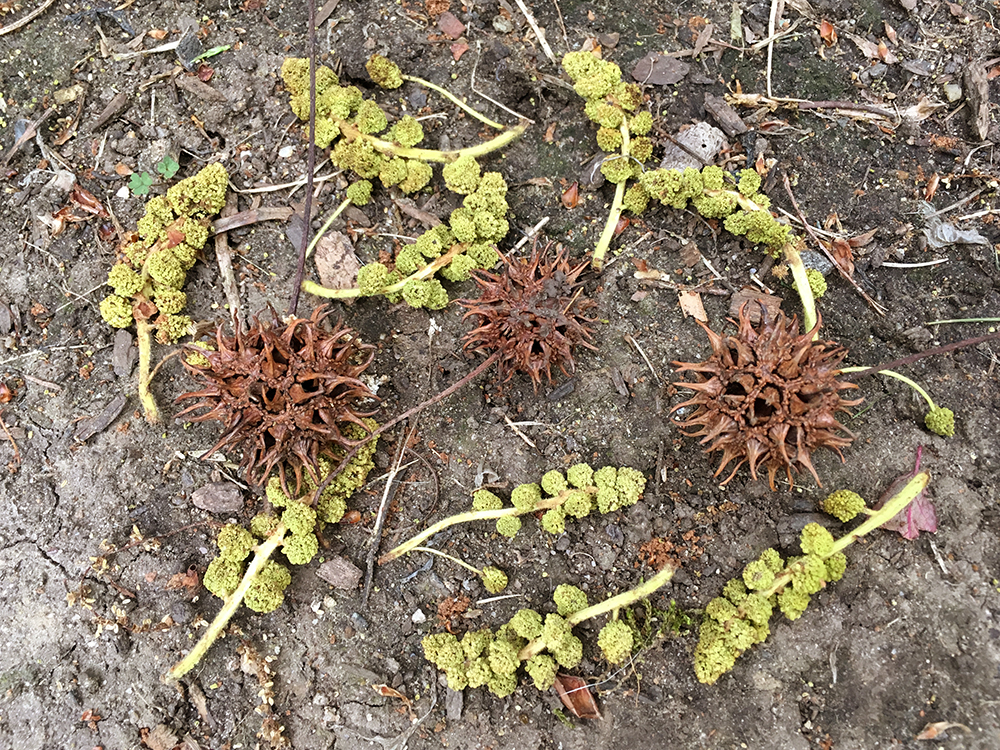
[340, 572]
[218, 497]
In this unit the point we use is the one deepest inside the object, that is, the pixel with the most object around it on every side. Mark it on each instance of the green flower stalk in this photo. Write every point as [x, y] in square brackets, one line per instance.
[152, 267]
[494, 579]
[939, 420]
[541, 644]
[573, 495]
[740, 617]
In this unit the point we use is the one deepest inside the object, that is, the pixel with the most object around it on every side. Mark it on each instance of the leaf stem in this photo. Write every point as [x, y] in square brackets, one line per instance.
[144, 339]
[597, 261]
[446, 556]
[898, 376]
[431, 155]
[262, 553]
[452, 98]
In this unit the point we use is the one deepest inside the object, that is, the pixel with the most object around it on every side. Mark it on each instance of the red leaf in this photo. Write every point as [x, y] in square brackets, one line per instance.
[571, 196]
[843, 254]
[918, 516]
[458, 49]
[205, 72]
[575, 694]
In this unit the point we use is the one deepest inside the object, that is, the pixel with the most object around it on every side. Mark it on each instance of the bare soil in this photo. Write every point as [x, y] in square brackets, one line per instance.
[910, 636]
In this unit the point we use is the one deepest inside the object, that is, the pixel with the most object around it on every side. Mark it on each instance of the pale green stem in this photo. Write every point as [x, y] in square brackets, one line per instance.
[431, 155]
[451, 97]
[427, 271]
[144, 339]
[262, 554]
[326, 225]
[475, 515]
[624, 599]
[597, 261]
[798, 268]
[876, 518]
[446, 556]
[898, 376]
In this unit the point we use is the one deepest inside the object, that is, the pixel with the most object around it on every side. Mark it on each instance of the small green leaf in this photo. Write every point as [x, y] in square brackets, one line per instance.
[168, 167]
[140, 183]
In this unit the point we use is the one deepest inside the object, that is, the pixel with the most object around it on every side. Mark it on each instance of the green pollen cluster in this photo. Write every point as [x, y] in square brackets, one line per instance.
[300, 519]
[940, 421]
[476, 226]
[739, 618]
[568, 496]
[844, 505]
[151, 270]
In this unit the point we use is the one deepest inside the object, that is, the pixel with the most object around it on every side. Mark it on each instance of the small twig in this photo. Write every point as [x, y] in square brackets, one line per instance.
[383, 508]
[562, 24]
[224, 257]
[538, 32]
[771, 22]
[28, 133]
[518, 432]
[162, 361]
[455, 100]
[16, 463]
[635, 344]
[405, 415]
[27, 19]
[530, 234]
[284, 185]
[916, 265]
[826, 251]
[300, 269]
[472, 85]
[246, 218]
[896, 363]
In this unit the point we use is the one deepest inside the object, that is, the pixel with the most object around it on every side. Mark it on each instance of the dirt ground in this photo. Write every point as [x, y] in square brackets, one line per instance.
[911, 636]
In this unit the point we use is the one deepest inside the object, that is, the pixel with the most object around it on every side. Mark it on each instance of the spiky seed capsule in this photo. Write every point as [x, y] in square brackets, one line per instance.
[284, 392]
[531, 314]
[767, 397]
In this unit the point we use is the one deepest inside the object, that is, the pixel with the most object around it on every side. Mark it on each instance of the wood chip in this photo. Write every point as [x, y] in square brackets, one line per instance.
[123, 355]
[199, 88]
[730, 122]
[978, 95]
[340, 573]
[753, 299]
[336, 262]
[93, 425]
[691, 306]
[218, 497]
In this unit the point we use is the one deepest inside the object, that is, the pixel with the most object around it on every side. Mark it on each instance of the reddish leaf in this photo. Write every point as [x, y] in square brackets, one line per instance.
[205, 72]
[843, 254]
[890, 32]
[187, 580]
[550, 133]
[827, 33]
[862, 240]
[575, 694]
[458, 49]
[918, 516]
[571, 196]
[622, 225]
[87, 201]
[175, 237]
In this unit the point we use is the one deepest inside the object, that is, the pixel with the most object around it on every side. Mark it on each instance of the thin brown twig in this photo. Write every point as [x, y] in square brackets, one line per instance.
[405, 415]
[224, 257]
[293, 303]
[16, 463]
[826, 251]
[27, 19]
[944, 349]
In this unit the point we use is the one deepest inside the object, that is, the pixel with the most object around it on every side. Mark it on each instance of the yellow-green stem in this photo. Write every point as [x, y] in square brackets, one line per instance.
[326, 225]
[616, 210]
[898, 376]
[427, 271]
[431, 155]
[446, 556]
[875, 519]
[144, 339]
[624, 599]
[452, 98]
[262, 553]
[798, 268]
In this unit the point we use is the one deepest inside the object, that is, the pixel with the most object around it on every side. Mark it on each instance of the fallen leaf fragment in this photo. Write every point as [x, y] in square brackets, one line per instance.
[336, 262]
[843, 256]
[575, 694]
[937, 728]
[387, 692]
[550, 132]
[187, 580]
[918, 516]
[571, 196]
[827, 33]
[458, 49]
[158, 738]
[659, 70]
[691, 306]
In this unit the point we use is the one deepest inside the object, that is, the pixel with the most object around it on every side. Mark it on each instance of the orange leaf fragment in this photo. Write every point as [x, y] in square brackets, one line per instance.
[458, 49]
[827, 33]
[550, 133]
[571, 196]
[575, 694]
[158, 34]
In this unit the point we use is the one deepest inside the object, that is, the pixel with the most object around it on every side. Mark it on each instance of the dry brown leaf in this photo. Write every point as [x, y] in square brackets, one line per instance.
[936, 729]
[158, 34]
[575, 694]
[571, 196]
[336, 262]
[691, 306]
[187, 580]
[703, 39]
[908, 4]
[932, 185]
[885, 54]
[890, 32]
[550, 132]
[389, 692]
[862, 240]
[843, 255]
[158, 738]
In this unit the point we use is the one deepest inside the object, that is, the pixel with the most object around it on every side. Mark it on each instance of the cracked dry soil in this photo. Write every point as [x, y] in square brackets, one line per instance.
[910, 636]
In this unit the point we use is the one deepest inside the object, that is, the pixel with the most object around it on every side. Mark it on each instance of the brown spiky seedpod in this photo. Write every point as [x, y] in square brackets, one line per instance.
[283, 391]
[532, 313]
[767, 397]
